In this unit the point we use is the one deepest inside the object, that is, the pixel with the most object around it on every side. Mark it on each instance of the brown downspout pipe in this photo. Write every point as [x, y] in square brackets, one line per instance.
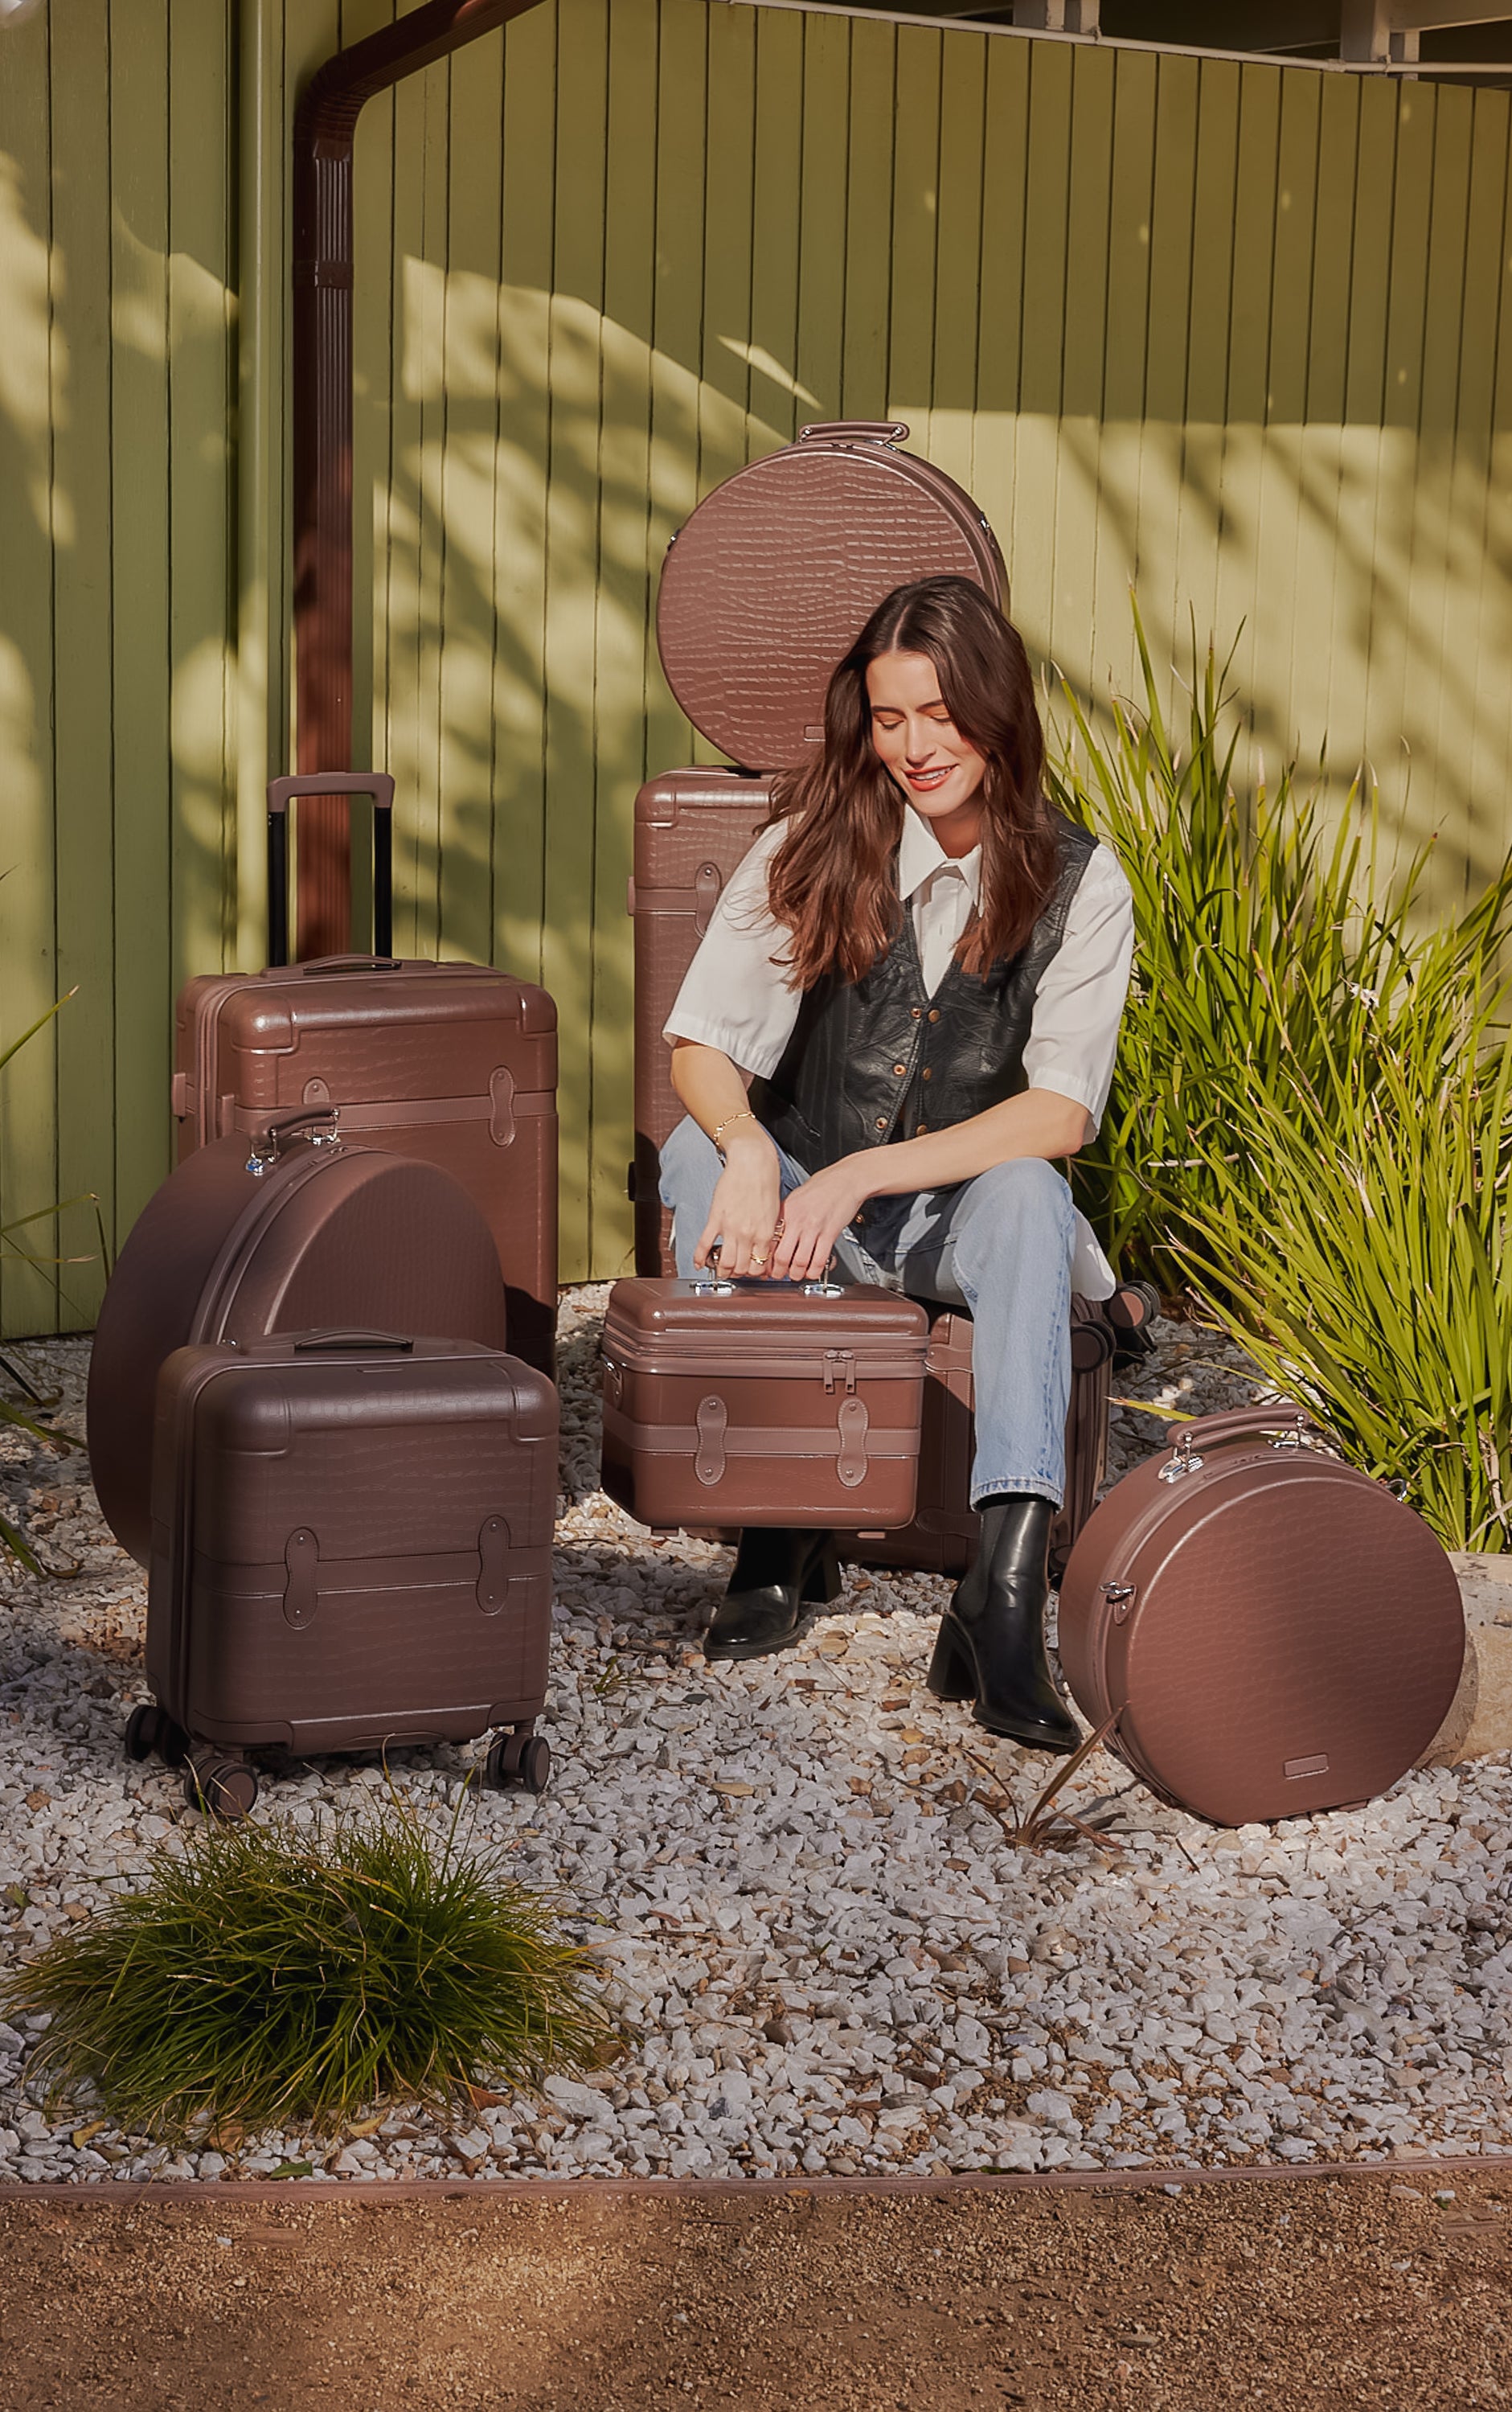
[325, 130]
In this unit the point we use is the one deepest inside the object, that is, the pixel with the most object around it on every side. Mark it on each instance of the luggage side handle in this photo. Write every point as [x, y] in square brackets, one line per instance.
[1281, 1416]
[859, 430]
[317, 1344]
[380, 786]
[265, 1147]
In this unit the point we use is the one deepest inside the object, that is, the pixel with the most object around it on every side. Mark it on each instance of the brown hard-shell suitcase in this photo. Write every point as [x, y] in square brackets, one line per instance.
[451, 1063]
[298, 1230]
[351, 1550]
[1276, 1633]
[944, 1535]
[732, 1404]
[763, 591]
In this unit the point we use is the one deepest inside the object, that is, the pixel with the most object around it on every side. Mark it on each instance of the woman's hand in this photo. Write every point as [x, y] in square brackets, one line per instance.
[747, 1210]
[814, 1215]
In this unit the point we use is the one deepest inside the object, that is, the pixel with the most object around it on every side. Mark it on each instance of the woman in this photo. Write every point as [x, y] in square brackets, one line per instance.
[919, 967]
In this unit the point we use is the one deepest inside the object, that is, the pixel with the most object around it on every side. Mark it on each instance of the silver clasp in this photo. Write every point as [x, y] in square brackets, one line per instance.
[1184, 1460]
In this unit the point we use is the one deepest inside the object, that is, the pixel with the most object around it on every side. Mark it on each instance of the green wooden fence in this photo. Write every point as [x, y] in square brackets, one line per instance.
[1232, 330]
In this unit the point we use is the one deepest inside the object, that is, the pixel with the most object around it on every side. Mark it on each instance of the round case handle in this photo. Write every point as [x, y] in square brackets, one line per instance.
[856, 431]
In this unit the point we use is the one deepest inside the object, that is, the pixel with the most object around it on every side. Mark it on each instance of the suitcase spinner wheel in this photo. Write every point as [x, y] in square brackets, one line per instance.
[519, 1757]
[217, 1783]
[151, 1733]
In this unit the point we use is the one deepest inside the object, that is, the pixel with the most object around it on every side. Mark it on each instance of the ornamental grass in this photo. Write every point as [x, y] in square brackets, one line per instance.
[1263, 949]
[265, 1977]
[1310, 1126]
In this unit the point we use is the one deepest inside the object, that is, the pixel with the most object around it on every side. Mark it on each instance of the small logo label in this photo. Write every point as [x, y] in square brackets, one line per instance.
[1315, 1765]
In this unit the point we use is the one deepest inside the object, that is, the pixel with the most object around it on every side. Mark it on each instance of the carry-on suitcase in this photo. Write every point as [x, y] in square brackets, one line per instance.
[450, 1064]
[945, 1528]
[299, 1230]
[763, 591]
[732, 1404]
[1276, 1633]
[351, 1550]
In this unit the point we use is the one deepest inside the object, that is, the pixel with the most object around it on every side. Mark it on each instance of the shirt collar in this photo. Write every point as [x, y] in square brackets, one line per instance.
[920, 855]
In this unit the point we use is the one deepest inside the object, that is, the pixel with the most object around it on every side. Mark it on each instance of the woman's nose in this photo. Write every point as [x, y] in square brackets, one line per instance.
[920, 743]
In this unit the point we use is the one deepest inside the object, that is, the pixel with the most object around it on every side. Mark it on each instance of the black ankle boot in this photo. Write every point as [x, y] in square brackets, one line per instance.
[778, 1579]
[992, 1641]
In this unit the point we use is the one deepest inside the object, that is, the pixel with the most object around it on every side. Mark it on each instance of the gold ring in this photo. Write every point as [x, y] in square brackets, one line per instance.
[756, 1260]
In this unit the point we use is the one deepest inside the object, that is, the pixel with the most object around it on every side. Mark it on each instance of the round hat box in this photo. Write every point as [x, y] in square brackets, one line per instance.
[1276, 1633]
[769, 582]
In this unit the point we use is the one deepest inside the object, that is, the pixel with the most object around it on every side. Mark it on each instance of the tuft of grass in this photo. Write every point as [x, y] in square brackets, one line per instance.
[265, 1977]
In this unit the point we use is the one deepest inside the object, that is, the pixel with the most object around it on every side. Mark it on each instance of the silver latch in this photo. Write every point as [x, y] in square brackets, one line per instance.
[1184, 1459]
[1120, 1598]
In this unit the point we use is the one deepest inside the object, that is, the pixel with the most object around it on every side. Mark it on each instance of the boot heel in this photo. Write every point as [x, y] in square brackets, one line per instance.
[952, 1674]
[823, 1581]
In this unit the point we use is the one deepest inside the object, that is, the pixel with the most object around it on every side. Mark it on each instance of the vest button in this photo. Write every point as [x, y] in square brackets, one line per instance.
[919, 1128]
[898, 1071]
[935, 1014]
[881, 1123]
[916, 1013]
[926, 1074]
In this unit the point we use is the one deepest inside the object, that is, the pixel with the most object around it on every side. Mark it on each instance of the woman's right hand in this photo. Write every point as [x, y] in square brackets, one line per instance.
[746, 1210]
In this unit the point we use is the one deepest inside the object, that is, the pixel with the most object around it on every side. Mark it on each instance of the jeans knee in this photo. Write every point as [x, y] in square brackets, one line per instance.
[1025, 1186]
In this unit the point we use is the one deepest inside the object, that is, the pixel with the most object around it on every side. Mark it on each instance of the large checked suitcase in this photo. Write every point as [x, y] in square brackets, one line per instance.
[944, 1535]
[351, 1550]
[238, 1243]
[1276, 1633]
[763, 591]
[451, 1063]
[734, 1403]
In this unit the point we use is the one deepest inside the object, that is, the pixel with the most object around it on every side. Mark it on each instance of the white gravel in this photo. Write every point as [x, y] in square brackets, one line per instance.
[829, 1954]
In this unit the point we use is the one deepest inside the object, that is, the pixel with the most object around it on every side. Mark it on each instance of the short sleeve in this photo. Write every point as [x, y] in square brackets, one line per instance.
[1073, 1035]
[734, 996]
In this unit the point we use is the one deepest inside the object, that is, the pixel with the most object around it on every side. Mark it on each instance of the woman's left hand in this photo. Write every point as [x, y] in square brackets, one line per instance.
[814, 1215]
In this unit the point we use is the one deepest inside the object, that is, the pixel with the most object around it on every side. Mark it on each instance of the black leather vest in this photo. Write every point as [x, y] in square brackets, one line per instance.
[879, 1058]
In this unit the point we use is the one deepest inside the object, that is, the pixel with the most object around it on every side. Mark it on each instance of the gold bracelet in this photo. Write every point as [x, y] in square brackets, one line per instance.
[745, 1115]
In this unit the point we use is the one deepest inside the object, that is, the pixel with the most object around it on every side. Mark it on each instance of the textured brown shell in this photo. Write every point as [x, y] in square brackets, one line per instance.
[768, 585]
[1280, 1633]
[339, 1237]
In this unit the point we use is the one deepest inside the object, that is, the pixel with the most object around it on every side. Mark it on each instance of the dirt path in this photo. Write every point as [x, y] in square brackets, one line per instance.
[1363, 2292]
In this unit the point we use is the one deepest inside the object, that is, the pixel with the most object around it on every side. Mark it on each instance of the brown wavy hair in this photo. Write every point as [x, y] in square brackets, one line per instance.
[830, 880]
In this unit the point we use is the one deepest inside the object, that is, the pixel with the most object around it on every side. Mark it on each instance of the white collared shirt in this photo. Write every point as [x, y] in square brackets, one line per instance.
[737, 999]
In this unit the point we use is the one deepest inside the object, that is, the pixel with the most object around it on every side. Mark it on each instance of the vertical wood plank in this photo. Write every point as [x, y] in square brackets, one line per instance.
[821, 222]
[915, 179]
[1164, 499]
[958, 254]
[868, 226]
[571, 577]
[32, 520]
[1324, 532]
[1043, 331]
[82, 646]
[623, 603]
[678, 349]
[1287, 614]
[1000, 326]
[1121, 439]
[777, 172]
[1080, 508]
[526, 243]
[1206, 359]
[1249, 348]
[1475, 625]
[469, 495]
[138, 649]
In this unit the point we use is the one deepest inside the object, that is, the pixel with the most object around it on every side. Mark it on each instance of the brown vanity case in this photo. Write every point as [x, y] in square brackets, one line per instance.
[733, 1404]
[450, 1064]
[1278, 1633]
[351, 1550]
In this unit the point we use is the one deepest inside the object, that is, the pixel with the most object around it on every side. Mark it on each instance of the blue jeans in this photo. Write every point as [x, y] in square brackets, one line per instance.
[999, 1246]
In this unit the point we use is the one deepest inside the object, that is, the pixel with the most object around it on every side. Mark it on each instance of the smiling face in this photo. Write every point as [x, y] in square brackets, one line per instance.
[938, 770]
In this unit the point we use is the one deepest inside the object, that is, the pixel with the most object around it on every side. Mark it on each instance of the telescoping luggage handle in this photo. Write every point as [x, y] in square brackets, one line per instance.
[380, 786]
